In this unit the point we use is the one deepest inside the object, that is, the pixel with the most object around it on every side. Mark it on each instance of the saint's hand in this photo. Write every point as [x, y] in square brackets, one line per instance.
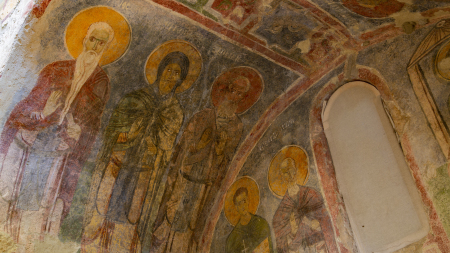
[312, 223]
[223, 136]
[52, 103]
[221, 142]
[136, 128]
[73, 130]
[205, 139]
[293, 223]
[315, 225]
[37, 115]
[122, 138]
[151, 148]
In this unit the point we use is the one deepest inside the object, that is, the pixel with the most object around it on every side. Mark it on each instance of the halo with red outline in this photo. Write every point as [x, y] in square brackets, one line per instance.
[224, 80]
[374, 8]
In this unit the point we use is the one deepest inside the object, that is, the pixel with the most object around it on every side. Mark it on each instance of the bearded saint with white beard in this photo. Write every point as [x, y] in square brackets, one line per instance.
[47, 138]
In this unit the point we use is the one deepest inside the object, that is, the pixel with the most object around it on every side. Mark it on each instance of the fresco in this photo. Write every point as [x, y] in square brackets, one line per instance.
[195, 126]
[49, 134]
[251, 232]
[429, 76]
[285, 27]
[141, 135]
[294, 224]
[301, 220]
[156, 153]
[373, 8]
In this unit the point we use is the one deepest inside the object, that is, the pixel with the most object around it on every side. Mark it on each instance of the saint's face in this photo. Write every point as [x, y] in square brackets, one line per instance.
[97, 41]
[237, 90]
[242, 204]
[289, 174]
[169, 78]
[444, 67]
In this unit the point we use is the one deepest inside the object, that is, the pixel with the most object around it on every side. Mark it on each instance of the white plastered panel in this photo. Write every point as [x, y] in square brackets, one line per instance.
[385, 209]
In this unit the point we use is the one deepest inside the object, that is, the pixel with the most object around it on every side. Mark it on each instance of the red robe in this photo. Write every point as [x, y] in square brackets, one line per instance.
[206, 168]
[307, 202]
[87, 109]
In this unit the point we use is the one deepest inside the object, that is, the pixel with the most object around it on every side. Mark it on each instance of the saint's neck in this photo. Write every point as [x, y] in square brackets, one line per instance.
[157, 95]
[244, 220]
[293, 189]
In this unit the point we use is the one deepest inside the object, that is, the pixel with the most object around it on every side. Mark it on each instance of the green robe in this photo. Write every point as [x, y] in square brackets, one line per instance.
[148, 122]
[247, 238]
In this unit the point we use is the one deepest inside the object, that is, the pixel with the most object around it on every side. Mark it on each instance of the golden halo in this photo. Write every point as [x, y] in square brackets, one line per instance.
[443, 54]
[276, 183]
[253, 199]
[79, 25]
[195, 61]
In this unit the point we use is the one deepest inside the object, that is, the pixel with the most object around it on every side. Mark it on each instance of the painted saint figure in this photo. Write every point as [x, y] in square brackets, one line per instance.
[197, 170]
[49, 135]
[301, 222]
[252, 232]
[137, 148]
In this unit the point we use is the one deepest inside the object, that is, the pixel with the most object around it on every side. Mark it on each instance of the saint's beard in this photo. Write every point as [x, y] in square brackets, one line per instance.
[86, 62]
[85, 65]
[227, 108]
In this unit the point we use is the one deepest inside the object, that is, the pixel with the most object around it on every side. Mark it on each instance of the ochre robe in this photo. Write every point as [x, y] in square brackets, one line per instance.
[32, 156]
[306, 203]
[246, 238]
[197, 170]
[124, 199]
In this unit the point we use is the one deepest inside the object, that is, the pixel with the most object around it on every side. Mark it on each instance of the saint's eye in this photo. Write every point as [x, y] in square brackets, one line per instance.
[295, 27]
[275, 29]
[277, 26]
[92, 38]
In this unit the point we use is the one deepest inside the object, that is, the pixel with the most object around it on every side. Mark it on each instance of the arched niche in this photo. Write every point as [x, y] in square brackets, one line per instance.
[436, 240]
[383, 204]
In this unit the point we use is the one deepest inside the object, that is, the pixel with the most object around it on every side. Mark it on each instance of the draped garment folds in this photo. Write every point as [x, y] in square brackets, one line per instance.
[37, 169]
[123, 197]
[196, 173]
[306, 203]
[247, 238]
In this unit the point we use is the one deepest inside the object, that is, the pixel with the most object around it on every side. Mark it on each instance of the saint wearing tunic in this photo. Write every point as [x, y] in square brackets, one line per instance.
[252, 232]
[47, 138]
[301, 222]
[138, 146]
[197, 170]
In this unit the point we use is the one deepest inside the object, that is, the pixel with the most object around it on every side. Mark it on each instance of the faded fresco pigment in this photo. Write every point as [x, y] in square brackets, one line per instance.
[196, 126]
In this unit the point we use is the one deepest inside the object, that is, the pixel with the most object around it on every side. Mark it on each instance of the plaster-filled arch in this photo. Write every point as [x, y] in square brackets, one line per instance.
[326, 170]
[385, 209]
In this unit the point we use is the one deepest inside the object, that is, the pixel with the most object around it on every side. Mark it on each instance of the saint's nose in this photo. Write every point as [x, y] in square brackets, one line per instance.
[95, 45]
